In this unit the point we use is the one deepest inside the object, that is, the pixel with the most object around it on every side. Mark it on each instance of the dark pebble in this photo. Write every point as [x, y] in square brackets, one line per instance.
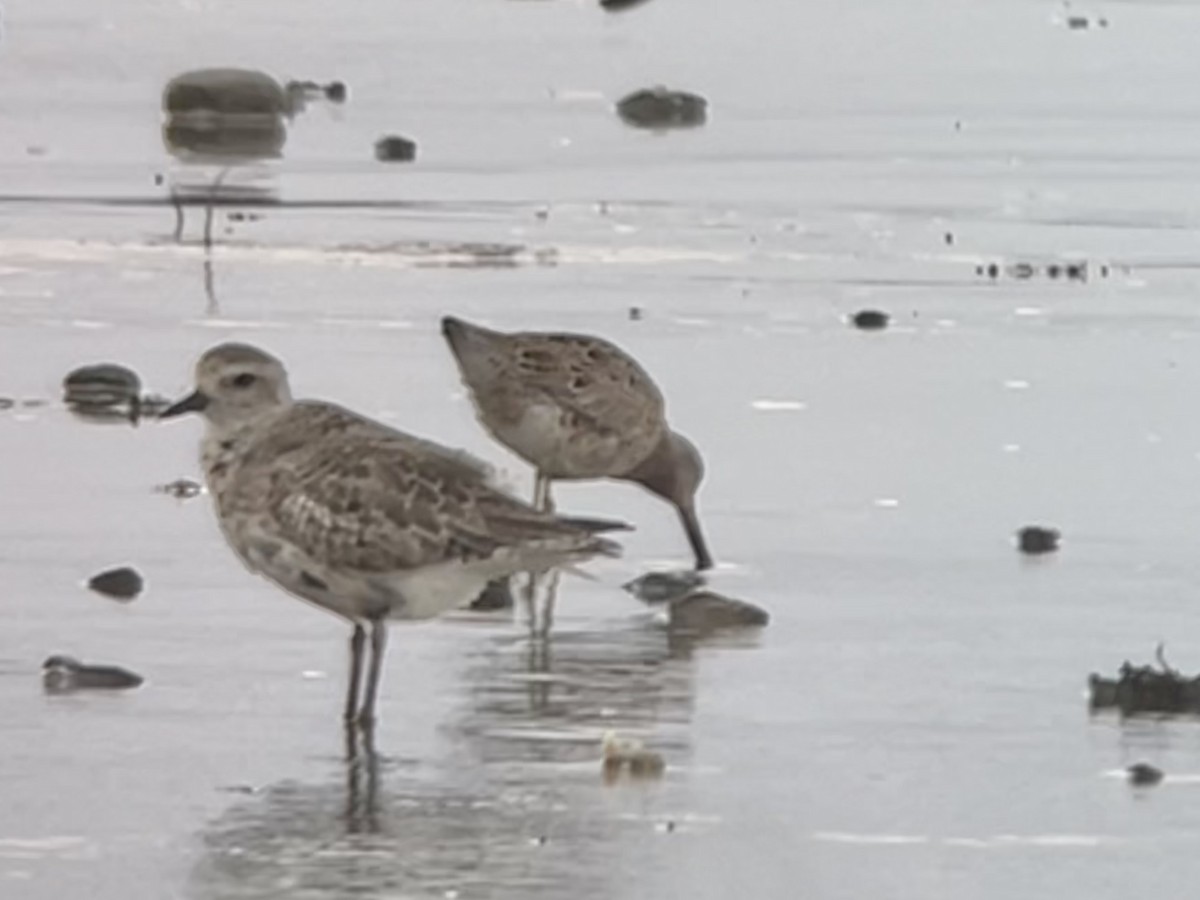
[1053, 270]
[993, 270]
[869, 320]
[704, 611]
[1144, 774]
[660, 107]
[948, 238]
[335, 92]
[61, 674]
[7, 402]
[105, 384]
[121, 584]
[620, 5]
[1022, 271]
[180, 488]
[393, 148]
[1034, 539]
[635, 313]
[1077, 271]
[497, 595]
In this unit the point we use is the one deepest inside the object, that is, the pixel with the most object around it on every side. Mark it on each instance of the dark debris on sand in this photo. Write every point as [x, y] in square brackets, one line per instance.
[1035, 540]
[121, 584]
[1142, 690]
[662, 108]
[703, 612]
[394, 148]
[869, 320]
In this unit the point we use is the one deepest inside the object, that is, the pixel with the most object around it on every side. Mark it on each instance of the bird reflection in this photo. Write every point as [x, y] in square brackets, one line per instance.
[540, 586]
[362, 765]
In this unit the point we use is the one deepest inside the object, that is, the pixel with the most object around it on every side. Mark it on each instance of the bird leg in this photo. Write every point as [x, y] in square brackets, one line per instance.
[356, 652]
[366, 715]
[548, 606]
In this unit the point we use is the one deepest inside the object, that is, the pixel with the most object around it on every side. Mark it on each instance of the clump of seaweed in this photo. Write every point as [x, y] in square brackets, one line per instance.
[1146, 690]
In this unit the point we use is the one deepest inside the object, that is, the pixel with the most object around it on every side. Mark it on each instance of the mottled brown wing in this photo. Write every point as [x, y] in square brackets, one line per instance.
[592, 379]
[368, 498]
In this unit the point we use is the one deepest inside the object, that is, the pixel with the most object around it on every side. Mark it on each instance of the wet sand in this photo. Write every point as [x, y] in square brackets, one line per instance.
[912, 723]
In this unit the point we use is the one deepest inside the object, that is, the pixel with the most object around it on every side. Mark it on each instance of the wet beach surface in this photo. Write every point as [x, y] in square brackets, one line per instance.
[911, 724]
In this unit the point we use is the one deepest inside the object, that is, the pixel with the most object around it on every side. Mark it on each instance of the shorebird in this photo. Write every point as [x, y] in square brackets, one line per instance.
[578, 407]
[362, 520]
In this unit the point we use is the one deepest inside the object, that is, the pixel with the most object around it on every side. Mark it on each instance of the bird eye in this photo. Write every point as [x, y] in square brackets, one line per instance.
[244, 380]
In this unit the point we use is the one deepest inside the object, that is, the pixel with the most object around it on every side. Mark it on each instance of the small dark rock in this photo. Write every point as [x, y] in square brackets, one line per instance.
[497, 595]
[869, 320]
[335, 92]
[702, 612]
[635, 313]
[1033, 539]
[661, 587]
[1053, 270]
[1076, 271]
[62, 674]
[1078, 23]
[180, 488]
[660, 107]
[948, 238]
[393, 148]
[620, 5]
[1144, 775]
[102, 385]
[120, 584]
[1022, 271]
[993, 270]
[7, 403]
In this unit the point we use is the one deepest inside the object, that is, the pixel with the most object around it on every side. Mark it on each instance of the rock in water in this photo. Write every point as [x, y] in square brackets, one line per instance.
[661, 108]
[393, 148]
[62, 674]
[620, 5]
[661, 587]
[102, 387]
[869, 320]
[1035, 540]
[1144, 775]
[702, 612]
[180, 488]
[120, 584]
[497, 595]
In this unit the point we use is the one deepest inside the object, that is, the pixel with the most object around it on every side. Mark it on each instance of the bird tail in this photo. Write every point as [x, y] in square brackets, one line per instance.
[595, 526]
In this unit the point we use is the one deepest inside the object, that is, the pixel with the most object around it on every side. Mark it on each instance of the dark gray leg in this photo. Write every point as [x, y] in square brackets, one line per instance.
[539, 488]
[548, 607]
[356, 651]
[378, 646]
[178, 215]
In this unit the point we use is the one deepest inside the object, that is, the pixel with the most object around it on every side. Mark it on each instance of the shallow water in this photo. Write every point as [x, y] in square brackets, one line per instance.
[911, 724]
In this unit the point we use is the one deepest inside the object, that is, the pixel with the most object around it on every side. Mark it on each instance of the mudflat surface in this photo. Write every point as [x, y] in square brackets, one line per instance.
[912, 723]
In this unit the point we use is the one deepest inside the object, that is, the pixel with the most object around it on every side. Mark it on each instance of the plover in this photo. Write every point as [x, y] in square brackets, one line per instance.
[365, 521]
[578, 407]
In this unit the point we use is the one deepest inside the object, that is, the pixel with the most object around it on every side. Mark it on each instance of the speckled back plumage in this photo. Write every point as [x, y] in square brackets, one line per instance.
[574, 406]
[360, 496]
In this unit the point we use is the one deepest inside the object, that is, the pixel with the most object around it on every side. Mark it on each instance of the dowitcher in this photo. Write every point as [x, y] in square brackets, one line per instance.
[364, 521]
[578, 407]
